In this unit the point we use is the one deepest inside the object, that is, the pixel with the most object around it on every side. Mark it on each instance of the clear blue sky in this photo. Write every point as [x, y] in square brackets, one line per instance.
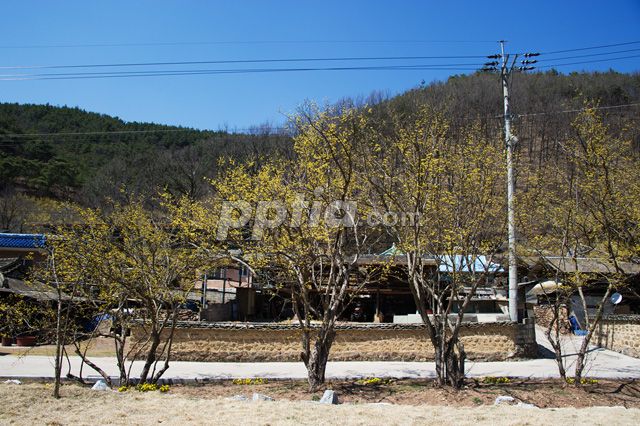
[62, 33]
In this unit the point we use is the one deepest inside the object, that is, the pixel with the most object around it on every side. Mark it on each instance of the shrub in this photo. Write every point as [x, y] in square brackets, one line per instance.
[256, 381]
[145, 387]
[494, 379]
[374, 381]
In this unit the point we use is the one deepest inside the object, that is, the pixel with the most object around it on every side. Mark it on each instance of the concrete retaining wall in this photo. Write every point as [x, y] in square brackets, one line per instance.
[271, 342]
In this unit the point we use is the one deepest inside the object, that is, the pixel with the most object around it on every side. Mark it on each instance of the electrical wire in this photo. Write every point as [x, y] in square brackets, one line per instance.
[162, 73]
[572, 111]
[156, 73]
[590, 55]
[590, 48]
[423, 67]
[589, 62]
[247, 61]
[204, 43]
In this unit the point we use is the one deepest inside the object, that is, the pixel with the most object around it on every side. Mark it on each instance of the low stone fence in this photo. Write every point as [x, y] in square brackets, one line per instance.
[281, 342]
[620, 333]
[545, 316]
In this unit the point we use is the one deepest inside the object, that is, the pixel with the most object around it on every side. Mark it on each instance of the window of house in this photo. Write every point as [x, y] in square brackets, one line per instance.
[244, 271]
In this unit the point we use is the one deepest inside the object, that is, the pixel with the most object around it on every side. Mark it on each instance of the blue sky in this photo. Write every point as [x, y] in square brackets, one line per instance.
[63, 33]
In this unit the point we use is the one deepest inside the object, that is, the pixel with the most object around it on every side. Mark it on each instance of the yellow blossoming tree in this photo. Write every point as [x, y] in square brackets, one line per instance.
[585, 209]
[297, 221]
[446, 191]
[134, 266]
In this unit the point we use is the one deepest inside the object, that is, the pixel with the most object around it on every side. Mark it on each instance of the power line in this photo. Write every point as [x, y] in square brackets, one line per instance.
[420, 67]
[589, 62]
[261, 42]
[569, 111]
[247, 61]
[590, 48]
[590, 55]
[162, 73]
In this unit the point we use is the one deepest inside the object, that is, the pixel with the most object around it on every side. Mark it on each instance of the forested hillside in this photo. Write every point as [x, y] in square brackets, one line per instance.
[62, 153]
[68, 153]
[544, 104]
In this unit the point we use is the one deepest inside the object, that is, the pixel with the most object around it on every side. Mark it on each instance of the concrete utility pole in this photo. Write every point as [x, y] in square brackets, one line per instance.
[510, 141]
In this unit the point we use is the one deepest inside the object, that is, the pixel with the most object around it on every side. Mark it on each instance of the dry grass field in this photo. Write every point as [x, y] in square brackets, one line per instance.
[32, 404]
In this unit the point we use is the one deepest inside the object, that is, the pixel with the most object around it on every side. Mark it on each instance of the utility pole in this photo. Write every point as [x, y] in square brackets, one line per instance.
[510, 140]
[505, 75]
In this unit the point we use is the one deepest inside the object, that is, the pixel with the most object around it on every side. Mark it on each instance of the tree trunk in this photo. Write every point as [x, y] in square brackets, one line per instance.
[167, 353]
[317, 358]
[151, 355]
[454, 362]
[439, 361]
[555, 341]
[100, 371]
[582, 354]
[119, 343]
[59, 347]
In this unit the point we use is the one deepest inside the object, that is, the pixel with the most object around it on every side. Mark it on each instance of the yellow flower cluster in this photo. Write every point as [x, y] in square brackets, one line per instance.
[584, 381]
[374, 381]
[494, 379]
[256, 381]
[145, 387]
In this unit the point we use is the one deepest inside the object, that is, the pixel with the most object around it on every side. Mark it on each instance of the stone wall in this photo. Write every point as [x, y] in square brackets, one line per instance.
[271, 342]
[544, 316]
[620, 333]
[217, 312]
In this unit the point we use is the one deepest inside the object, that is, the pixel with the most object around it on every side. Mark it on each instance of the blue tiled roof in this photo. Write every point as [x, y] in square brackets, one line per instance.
[28, 241]
[392, 251]
[462, 264]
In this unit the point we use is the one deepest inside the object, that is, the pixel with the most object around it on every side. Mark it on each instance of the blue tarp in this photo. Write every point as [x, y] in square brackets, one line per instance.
[575, 327]
[92, 324]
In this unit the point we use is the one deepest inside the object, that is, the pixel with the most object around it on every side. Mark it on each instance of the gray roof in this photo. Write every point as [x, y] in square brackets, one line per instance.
[583, 264]
[9, 264]
[591, 265]
[36, 290]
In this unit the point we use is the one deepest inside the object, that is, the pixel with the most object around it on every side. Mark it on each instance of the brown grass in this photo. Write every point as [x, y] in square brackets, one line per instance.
[32, 404]
[548, 393]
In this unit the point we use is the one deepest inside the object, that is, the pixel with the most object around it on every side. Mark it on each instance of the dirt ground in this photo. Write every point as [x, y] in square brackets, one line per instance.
[414, 403]
[551, 393]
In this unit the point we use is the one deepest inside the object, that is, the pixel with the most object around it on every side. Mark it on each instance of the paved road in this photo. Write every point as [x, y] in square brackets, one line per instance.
[602, 364]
